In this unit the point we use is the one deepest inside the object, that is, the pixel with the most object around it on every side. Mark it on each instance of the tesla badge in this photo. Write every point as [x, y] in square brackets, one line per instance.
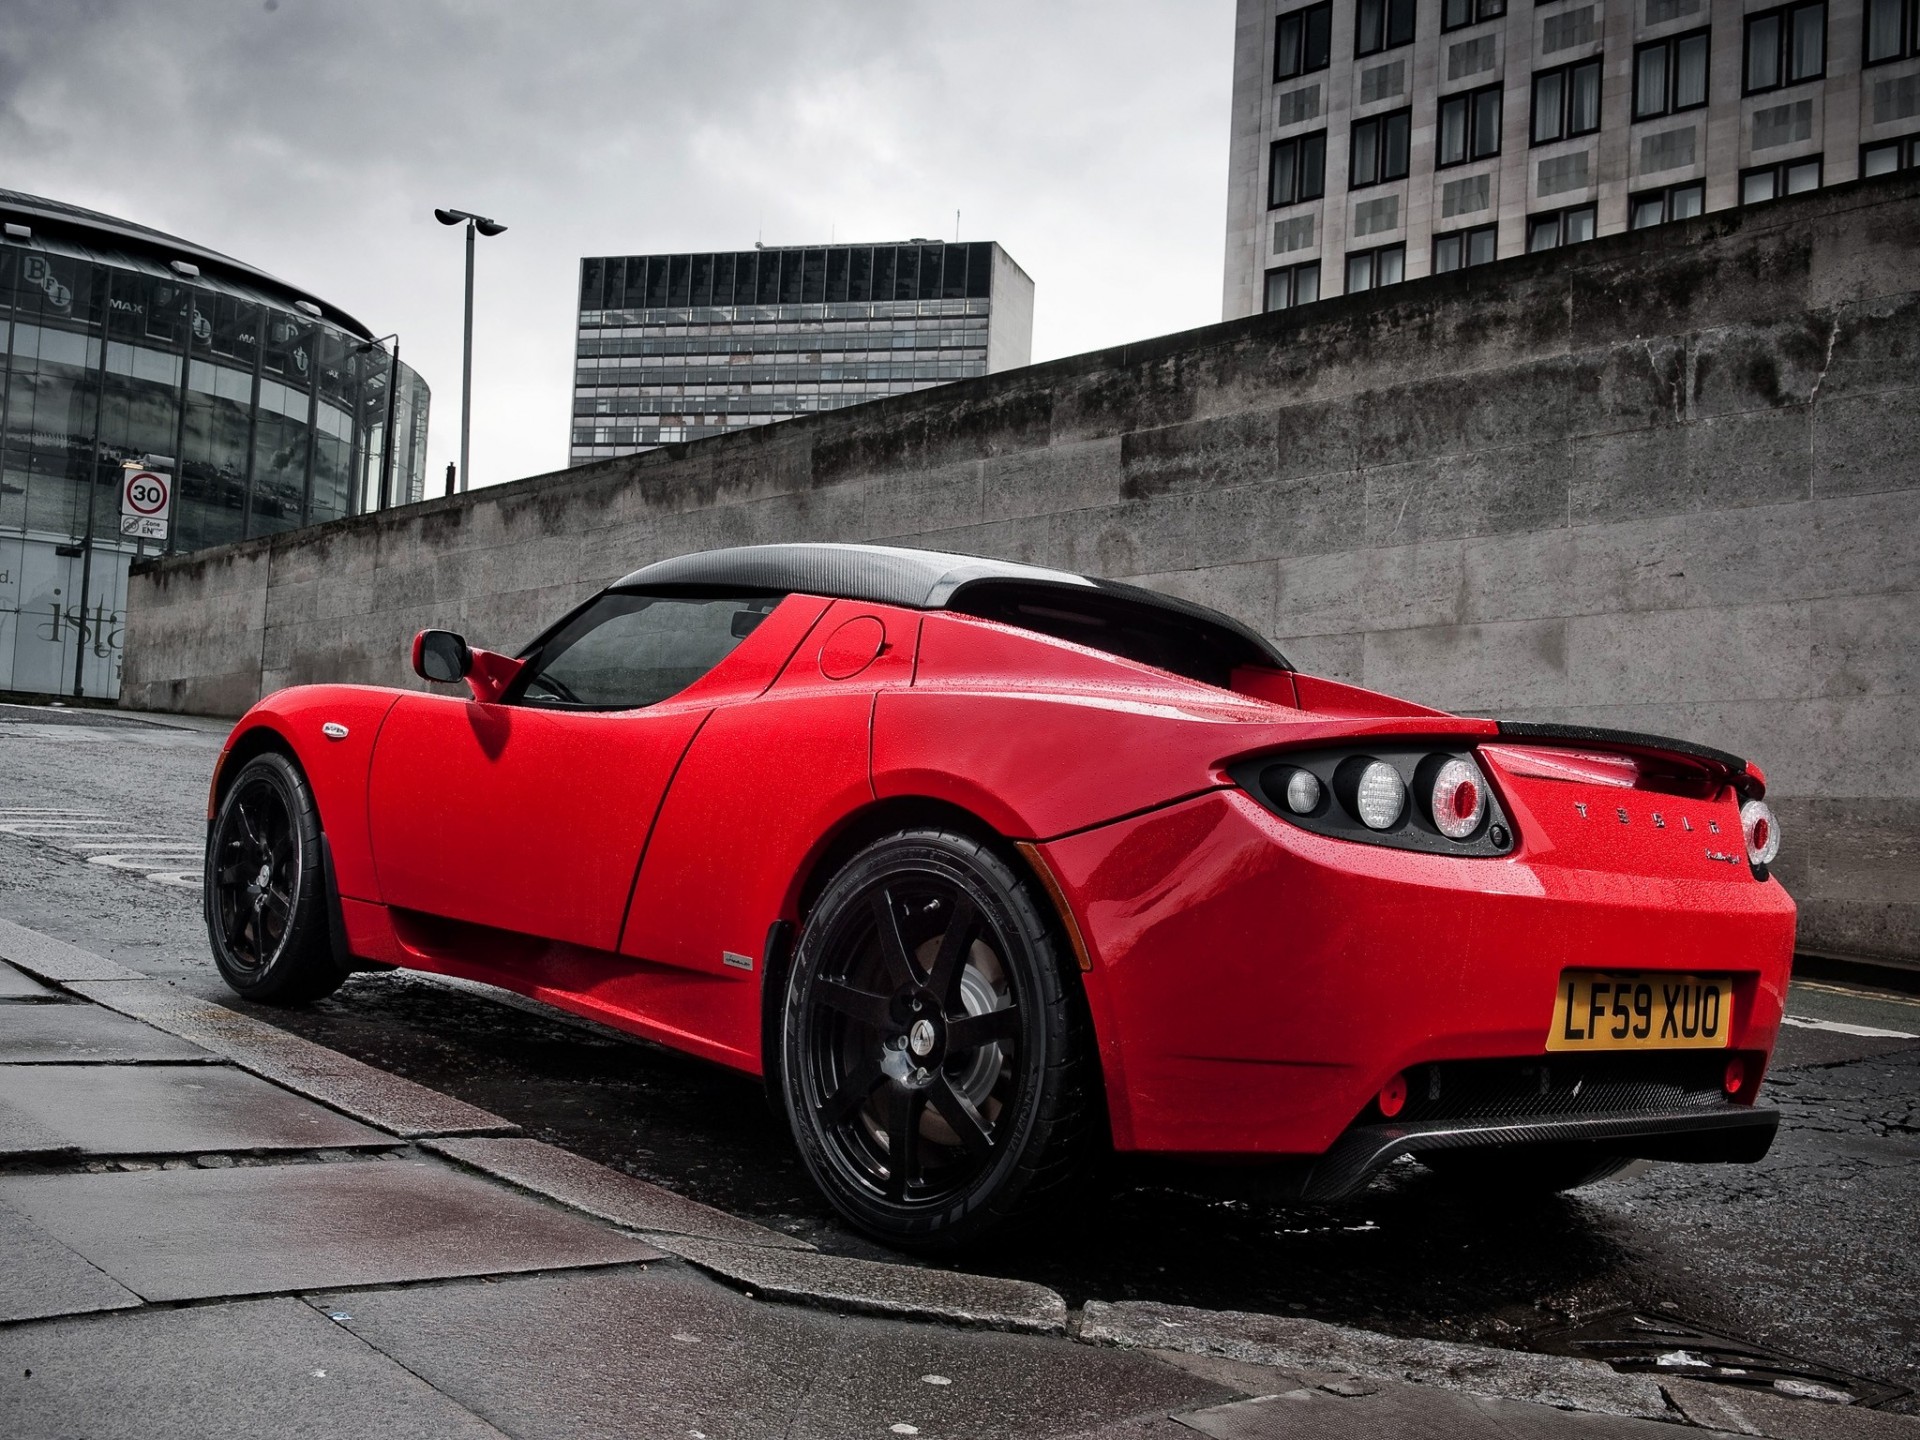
[334, 730]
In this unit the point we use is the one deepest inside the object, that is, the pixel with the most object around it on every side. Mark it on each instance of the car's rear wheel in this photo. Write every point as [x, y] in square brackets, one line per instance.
[936, 1059]
[265, 891]
[1539, 1170]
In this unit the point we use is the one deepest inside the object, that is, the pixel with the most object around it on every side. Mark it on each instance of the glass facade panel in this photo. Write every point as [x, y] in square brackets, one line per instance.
[114, 352]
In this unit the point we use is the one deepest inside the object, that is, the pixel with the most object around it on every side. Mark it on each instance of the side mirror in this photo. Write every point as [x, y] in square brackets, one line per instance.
[441, 656]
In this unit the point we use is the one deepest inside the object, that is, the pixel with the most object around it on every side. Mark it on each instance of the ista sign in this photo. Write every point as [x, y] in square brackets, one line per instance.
[145, 497]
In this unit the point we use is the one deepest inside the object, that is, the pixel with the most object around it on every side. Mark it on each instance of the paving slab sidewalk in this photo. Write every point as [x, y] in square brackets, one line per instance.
[520, 1289]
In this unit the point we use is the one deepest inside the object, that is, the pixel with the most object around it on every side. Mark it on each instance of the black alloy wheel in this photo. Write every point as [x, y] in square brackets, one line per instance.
[936, 1060]
[265, 888]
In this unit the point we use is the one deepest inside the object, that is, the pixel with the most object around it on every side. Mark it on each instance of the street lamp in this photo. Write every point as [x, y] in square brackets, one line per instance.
[393, 386]
[485, 227]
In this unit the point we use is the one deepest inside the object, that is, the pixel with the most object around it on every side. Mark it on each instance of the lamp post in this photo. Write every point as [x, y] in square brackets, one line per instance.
[485, 227]
[393, 386]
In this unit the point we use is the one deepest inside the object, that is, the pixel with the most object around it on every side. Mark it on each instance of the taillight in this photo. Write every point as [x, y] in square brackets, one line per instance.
[1458, 799]
[1762, 832]
[1379, 796]
[1413, 795]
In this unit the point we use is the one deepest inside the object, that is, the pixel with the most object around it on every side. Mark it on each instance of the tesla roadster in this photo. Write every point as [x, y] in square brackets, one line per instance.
[987, 868]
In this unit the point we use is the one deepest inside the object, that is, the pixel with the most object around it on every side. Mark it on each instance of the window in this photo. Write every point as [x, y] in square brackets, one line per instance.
[1887, 156]
[1670, 75]
[1297, 170]
[1893, 30]
[1675, 202]
[1469, 126]
[1303, 41]
[1292, 285]
[1456, 13]
[1462, 248]
[1380, 146]
[1370, 269]
[1770, 182]
[1566, 101]
[625, 651]
[1560, 227]
[1381, 25]
[1786, 46]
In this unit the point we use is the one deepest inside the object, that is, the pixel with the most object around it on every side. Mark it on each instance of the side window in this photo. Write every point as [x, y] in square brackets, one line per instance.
[626, 651]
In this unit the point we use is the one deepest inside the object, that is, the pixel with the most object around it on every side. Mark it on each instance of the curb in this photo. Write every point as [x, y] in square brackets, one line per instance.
[606, 1194]
[874, 1287]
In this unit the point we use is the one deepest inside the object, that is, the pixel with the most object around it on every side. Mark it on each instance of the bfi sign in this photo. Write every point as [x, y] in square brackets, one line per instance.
[146, 501]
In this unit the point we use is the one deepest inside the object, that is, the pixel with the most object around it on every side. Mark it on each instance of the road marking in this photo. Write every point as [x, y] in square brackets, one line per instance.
[139, 864]
[1840, 1027]
[1879, 997]
[166, 844]
[136, 852]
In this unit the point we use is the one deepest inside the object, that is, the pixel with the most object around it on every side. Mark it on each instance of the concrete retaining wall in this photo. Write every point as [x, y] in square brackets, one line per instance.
[1667, 481]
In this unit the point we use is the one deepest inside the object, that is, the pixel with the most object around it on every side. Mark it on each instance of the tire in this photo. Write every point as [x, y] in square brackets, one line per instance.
[925, 1122]
[265, 888]
[1542, 1170]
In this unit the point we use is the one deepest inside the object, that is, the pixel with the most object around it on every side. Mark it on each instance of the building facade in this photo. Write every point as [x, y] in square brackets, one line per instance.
[1379, 140]
[677, 347]
[122, 344]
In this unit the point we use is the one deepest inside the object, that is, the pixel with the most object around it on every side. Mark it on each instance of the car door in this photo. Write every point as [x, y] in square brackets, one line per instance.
[530, 815]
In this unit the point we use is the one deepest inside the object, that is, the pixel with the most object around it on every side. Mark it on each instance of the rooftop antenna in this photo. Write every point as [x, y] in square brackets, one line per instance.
[956, 227]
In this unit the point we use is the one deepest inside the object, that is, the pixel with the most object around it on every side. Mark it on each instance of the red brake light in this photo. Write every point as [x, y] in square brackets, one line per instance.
[1458, 800]
[1736, 1078]
[1393, 1096]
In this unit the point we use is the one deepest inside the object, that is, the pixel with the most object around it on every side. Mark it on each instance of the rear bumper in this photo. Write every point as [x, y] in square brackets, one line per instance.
[1253, 985]
[1738, 1134]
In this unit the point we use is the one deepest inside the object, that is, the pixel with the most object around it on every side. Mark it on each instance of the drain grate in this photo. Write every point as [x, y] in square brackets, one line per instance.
[1637, 1343]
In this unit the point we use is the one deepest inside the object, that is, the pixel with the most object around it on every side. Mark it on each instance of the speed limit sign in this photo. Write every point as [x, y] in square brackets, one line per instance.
[145, 497]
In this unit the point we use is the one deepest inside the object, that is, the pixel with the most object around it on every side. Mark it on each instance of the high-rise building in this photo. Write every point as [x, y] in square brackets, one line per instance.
[1379, 140]
[677, 347]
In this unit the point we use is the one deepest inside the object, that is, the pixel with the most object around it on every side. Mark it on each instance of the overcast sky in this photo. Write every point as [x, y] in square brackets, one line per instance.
[313, 138]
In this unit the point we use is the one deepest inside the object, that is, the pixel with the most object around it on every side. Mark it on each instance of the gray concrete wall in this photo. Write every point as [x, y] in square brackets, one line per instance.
[1667, 481]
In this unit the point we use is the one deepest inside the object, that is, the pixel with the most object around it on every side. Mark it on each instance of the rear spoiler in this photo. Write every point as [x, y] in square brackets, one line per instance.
[1744, 776]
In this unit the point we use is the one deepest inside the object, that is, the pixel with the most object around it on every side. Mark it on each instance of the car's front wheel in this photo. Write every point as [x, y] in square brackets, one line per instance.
[936, 1058]
[265, 888]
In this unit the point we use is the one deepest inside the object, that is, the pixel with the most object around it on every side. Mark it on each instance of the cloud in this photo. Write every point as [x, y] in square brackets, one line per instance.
[313, 138]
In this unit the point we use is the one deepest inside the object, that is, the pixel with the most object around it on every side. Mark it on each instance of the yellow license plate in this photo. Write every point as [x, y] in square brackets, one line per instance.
[1613, 1010]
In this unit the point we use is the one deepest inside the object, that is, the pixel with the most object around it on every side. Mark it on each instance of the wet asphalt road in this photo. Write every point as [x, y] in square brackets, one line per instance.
[1815, 1251]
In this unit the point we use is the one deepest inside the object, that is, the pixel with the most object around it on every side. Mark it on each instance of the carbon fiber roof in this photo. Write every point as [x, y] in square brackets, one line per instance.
[913, 579]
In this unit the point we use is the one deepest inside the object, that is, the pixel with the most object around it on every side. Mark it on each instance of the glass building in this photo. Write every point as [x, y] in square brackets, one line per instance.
[678, 347]
[123, 344]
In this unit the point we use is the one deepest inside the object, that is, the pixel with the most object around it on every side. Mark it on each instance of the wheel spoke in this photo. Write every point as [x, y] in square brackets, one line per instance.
[970, 1032]
[903, 1137]
[958, 1111]
[893, 945]
[254, 835]
[874, 1011]
[963, 924]
[852, 1094]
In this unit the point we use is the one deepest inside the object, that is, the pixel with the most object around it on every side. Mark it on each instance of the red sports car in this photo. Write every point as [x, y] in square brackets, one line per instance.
[985, 867]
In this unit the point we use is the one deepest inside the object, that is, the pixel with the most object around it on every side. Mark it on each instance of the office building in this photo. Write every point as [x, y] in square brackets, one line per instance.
[119, 343]
[677, 347]
[1379, 140]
